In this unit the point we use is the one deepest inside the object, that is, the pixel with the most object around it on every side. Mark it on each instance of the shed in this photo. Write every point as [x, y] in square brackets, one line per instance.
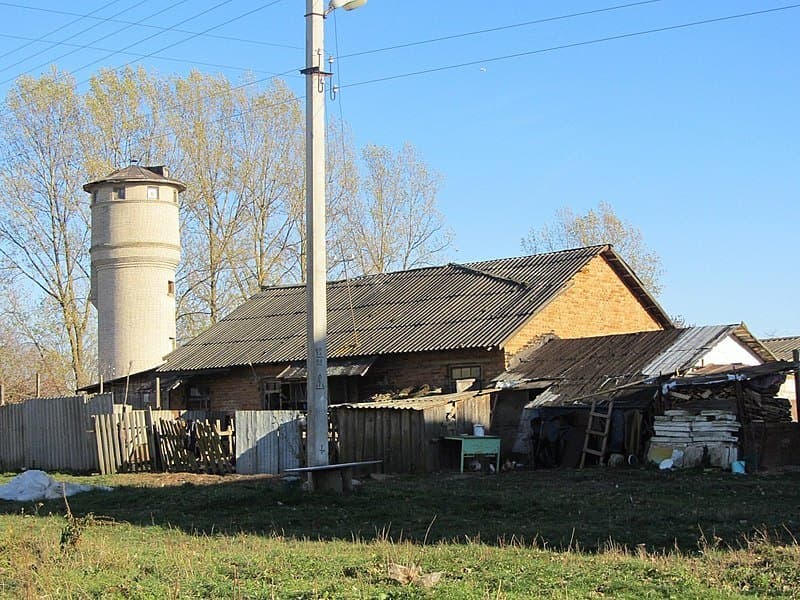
[406, 433]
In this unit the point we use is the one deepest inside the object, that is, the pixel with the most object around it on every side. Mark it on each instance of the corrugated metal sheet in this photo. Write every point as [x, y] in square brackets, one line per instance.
[438, 308]
[587, 366]
[421, 403]
[782, 347]
[691, 344]
[337, 367]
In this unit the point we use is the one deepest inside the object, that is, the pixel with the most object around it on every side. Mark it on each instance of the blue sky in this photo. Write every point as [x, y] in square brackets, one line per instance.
[691, 134]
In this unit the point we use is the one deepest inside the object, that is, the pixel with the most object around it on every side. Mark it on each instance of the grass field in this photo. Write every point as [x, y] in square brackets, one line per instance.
[553, 534]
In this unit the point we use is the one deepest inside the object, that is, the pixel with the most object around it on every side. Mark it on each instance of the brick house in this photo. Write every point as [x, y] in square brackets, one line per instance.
[442, 328]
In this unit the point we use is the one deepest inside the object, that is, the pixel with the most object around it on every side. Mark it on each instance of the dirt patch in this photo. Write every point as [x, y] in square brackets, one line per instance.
[175, 479]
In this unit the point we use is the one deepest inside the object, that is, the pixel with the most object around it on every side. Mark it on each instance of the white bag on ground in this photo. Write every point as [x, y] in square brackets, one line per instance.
[38, 485]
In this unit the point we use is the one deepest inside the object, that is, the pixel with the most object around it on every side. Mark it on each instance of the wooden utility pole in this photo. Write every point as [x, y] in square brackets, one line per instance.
[796, 359]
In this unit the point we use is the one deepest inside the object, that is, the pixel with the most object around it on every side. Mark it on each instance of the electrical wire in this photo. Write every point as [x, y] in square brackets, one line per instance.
[575, 45]
[138, 55]
[140, 24]
[100, 39]
[57, 29]
[499, 58]
[500, 28]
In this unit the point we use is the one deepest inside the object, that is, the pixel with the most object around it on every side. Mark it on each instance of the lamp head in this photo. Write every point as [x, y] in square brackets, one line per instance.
[346, 4]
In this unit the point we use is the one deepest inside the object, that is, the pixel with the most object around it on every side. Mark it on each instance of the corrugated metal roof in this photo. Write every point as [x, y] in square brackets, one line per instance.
[337, 367]
[420, 403]
[782, 347]
[477, 305]
[596, 365]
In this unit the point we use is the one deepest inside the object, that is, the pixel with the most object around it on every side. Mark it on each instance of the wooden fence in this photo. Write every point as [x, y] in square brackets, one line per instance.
[125, 441]
[268, 441]
[54, 434]
[80, 434]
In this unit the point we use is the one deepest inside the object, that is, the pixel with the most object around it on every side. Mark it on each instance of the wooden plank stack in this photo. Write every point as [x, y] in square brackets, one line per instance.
[680, 427]
[710, 437]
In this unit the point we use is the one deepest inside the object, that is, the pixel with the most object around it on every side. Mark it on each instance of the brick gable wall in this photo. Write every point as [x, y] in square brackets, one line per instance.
[596, 303]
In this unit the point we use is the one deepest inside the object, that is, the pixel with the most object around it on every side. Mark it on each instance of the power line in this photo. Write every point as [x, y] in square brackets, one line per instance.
[136, 54]
[173, 44]
[108, 35]
[501, 28]
[492, 59]
[144, 25]
[57, 29]
[575, 45]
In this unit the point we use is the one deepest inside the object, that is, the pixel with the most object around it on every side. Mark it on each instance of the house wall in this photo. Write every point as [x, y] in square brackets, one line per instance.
[235, 389]
[400, 371]
[729, 351]
[597, 303]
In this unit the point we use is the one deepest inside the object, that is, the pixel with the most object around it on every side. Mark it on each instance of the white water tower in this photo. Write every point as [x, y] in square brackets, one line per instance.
[135, 251]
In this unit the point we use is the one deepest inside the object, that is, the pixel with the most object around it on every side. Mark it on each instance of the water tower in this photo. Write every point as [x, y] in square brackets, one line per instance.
[135, 251]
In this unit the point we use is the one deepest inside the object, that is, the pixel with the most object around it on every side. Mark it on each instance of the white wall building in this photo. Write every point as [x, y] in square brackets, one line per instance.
[135, 251]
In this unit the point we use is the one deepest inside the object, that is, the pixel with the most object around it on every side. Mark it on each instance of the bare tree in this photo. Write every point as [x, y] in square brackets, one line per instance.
[601, 226]
[241, 155]
[394, 222]
[44, 220]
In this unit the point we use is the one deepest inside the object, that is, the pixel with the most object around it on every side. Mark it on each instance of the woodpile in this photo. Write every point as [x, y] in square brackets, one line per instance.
[755, 404]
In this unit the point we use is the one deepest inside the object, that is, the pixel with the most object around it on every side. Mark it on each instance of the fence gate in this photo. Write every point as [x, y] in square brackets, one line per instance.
[268, 441]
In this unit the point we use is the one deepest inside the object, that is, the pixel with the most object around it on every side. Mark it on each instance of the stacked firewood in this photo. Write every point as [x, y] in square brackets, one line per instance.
[756, 404]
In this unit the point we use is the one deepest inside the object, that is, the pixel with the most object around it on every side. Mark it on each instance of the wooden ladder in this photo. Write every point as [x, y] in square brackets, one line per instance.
[598, 427]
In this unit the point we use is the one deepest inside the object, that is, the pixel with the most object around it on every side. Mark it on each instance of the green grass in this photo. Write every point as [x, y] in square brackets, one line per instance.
[557, 534]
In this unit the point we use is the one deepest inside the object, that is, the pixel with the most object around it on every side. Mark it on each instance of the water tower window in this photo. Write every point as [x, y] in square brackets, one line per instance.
[171, 288]
[175, 196]
[152, 192]
[119, 193]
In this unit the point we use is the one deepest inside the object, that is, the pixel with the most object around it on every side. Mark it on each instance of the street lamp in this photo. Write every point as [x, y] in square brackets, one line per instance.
[316, 262]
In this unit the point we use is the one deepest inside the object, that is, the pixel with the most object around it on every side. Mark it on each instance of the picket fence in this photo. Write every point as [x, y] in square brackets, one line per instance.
[52, 434]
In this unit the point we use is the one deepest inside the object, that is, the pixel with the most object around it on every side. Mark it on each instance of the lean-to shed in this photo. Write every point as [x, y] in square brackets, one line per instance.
[406, 434]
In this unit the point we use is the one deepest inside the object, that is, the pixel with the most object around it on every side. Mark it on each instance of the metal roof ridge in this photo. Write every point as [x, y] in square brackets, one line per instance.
[489, 274]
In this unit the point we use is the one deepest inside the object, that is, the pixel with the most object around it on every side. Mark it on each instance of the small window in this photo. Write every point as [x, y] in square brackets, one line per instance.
[198, 398]
[170, 288]
[119, 193]
[152, 192]
[463, 378]
[471, 372]
[175, 196]
[273, 395]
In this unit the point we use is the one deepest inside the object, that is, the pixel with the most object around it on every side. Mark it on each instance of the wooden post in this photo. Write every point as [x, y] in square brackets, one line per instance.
[796, 359]
[38, 385]
[101, 384]
[158, 393]
[2, 395]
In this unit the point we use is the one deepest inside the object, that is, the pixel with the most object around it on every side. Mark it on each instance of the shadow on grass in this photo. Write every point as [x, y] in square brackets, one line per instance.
[553, 509]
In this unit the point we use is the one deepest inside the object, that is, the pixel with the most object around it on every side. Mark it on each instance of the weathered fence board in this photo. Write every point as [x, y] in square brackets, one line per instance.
[123, 442]
[267, 441]
[53, 434]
